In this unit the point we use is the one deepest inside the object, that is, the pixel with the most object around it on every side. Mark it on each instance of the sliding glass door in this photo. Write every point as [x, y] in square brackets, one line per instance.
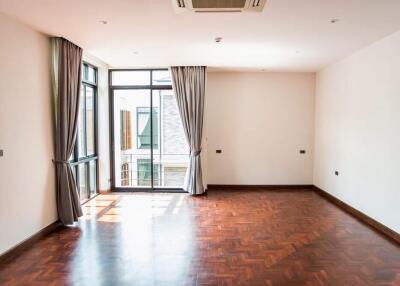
[149, 146]
[132, 141]
[171, 157]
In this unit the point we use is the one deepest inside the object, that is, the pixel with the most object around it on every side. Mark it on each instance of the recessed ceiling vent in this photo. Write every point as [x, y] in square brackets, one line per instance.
[215, 6]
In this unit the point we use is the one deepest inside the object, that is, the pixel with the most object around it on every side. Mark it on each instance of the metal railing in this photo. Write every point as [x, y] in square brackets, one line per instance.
[169, 170]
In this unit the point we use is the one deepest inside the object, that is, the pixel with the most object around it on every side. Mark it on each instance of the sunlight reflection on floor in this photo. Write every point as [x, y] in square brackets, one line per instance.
[115, 208]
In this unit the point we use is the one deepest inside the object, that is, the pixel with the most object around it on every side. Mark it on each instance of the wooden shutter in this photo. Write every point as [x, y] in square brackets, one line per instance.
[126, 132]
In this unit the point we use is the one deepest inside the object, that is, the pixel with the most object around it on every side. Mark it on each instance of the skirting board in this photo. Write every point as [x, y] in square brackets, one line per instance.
[359, 215]
[258, 187]
[389, 233]
[22, 246]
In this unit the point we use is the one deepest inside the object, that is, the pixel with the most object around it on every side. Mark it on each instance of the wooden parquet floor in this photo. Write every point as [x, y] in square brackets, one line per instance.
[225, 238]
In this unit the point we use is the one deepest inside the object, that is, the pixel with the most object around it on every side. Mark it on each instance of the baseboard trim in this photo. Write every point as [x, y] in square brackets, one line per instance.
[257, 187]
[25, 244]
[360, 215]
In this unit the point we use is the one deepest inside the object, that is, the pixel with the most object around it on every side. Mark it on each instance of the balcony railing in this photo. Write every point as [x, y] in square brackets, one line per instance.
[169, 170]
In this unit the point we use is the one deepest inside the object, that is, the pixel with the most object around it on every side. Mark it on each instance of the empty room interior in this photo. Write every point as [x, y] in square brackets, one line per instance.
[200, 142]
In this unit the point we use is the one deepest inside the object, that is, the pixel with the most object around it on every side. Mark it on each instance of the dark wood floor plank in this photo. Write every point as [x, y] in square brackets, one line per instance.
[252, 237]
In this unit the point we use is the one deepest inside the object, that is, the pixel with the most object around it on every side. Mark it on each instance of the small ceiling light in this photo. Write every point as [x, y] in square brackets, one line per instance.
[333, 21]
[218, 39]
[104, 22]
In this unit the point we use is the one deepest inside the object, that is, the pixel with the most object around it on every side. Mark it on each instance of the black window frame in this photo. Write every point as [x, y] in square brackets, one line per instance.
[87, 159]
[151, 87]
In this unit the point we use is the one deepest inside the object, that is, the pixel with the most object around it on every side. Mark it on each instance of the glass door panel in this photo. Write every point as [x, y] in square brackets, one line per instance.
[171, 152]
[90, 120]
[82, 126]
[92, 177]
[132, 140]
[83, 182]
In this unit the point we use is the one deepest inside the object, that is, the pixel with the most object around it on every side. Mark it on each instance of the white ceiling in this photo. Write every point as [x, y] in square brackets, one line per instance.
[290, 35]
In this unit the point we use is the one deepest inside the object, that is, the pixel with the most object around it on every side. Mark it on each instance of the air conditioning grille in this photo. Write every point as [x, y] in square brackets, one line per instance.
[218, 4]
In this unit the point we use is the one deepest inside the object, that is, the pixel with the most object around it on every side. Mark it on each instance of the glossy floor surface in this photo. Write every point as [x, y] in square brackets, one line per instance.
[224, 238]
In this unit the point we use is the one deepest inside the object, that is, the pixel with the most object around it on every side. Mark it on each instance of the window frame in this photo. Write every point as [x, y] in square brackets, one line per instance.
[151, 88]
[76, 160]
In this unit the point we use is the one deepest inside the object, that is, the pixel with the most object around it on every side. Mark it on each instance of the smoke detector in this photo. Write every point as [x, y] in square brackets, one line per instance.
[218, 6]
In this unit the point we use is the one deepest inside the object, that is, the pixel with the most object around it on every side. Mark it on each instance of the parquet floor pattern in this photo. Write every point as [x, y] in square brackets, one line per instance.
[283, 237]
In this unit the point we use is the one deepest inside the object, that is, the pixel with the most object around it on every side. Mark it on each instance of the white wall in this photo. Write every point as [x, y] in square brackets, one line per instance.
[27, 184]
[260, 121]
[358, 131]
[103, 140]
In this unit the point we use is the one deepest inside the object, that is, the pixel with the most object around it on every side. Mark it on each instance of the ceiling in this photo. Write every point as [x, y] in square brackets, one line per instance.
[289, 35]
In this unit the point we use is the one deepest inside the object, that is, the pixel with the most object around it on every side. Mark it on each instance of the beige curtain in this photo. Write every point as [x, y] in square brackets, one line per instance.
[189, 86]
[67, 64]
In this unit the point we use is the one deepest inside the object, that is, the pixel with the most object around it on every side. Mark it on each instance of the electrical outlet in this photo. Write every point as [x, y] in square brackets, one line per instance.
[337, 173]
[1, 153]
[302, 151]
[218, 151]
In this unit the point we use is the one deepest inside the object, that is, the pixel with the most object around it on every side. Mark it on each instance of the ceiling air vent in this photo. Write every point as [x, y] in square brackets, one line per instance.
[213, 6]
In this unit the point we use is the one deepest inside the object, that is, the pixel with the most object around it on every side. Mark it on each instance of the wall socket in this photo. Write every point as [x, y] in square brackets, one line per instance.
[302, 151]
[1, 153]
[337, 173]
[218, 151]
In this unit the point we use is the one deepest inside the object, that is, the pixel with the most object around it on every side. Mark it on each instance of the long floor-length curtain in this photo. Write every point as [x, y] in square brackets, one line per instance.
[189, 86]
[67, 64]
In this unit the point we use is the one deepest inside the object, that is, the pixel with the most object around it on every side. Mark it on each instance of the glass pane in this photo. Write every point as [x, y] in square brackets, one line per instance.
[126, 175]
[91, 75]
[128, 153]
[144, 127]
[73, 168]
[90, 120]
[162, 78]
[83, 187]
[71, 158]
[130, 77]
[84, 72]
[81, 125]
[144, 172]
[156, 174]
[172, 152]
[92, 176]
